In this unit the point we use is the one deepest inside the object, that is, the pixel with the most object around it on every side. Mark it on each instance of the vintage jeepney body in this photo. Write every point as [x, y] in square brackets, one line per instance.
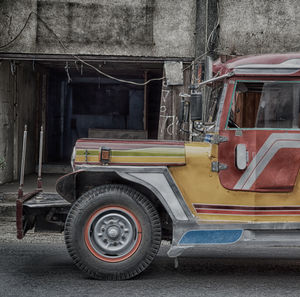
[239, 183]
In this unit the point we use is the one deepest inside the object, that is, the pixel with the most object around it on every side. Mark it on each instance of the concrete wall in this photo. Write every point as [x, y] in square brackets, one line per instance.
[253, 27]
[153, 28]
[18, 103]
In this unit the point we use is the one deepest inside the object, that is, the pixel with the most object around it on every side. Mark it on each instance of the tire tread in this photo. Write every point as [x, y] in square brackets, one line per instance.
[141, 200]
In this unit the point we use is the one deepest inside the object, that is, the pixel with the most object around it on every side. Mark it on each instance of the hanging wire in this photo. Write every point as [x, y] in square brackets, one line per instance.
[68, 74]
[20, 32]
[212, 36]
[75, 56]
[194, 61]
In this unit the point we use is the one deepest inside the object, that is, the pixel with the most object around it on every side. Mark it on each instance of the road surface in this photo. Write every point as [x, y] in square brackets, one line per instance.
[41, 266]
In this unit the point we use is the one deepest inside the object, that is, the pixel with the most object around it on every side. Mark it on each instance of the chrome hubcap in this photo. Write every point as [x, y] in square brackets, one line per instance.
[113, 233]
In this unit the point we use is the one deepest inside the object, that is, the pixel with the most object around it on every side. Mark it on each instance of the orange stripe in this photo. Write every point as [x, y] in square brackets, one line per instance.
[247, 212]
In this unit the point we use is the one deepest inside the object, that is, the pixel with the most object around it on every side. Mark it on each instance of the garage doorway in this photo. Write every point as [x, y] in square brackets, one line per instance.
[86, 105]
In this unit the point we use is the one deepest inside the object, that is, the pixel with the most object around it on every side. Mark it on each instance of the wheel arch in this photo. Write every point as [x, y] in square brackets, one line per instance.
[75, 184]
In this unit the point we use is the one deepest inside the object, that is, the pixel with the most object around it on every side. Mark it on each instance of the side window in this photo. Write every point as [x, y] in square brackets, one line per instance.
[265, 105]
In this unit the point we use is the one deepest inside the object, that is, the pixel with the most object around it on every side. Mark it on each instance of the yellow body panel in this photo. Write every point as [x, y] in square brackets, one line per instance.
[198, 184]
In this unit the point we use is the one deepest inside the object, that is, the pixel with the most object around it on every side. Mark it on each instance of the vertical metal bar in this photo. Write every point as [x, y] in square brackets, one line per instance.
[145, 102]
[62, 115]
[39, 180]
[295, 106]
[20, 192]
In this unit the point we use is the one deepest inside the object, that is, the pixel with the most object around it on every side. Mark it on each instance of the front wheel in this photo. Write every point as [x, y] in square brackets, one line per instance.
[113, 232]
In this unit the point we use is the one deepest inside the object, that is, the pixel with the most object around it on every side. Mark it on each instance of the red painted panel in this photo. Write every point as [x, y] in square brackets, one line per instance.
[281, 173]
[273, 156]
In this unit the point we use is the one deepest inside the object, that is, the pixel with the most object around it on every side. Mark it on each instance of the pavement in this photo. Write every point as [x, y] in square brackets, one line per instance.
[7, 190]
[40, 266]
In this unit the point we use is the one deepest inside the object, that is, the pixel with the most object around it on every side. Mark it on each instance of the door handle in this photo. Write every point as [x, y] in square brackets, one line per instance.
[241, 156]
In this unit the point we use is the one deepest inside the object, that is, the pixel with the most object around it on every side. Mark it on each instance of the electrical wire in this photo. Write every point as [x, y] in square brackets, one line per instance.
[75, 56]
[198, 58]
[20, 32]
[212, 33]
[207, 45]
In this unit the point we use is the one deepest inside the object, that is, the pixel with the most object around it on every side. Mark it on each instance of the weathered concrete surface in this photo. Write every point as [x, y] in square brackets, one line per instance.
[158, 28]
[253, 27]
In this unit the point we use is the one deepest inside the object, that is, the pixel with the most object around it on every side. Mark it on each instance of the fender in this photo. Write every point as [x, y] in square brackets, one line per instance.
[154, 181]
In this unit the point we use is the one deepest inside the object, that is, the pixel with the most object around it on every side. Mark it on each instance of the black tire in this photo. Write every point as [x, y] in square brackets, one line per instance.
[113, 232]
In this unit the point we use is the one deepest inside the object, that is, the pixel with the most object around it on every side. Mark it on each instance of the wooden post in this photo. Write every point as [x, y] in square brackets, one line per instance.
[169, 128]
[20, 192]
[39, 180]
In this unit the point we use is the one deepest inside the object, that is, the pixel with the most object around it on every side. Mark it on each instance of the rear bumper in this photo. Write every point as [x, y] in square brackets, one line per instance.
[19, 213]
[37, 209]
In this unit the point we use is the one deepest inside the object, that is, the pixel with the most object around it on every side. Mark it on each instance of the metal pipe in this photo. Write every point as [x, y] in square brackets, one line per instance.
[214, 79]
[39, 180]
[20, 192]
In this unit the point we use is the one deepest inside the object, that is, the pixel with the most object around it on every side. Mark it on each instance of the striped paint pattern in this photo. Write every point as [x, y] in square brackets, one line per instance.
[264, 156]
[239, 210]
[131, 152]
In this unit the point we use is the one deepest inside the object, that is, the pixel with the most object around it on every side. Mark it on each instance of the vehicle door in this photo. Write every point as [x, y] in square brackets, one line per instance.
[261, 122]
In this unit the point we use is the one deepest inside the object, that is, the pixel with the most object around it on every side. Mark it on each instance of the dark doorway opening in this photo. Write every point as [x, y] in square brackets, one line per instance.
[93, 106]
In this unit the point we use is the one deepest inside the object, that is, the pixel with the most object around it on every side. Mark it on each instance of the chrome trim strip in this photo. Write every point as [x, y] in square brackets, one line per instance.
[291, 63]
[160, 183]
[281, 231]
[265, 71]
[222, 99]
[158, 180]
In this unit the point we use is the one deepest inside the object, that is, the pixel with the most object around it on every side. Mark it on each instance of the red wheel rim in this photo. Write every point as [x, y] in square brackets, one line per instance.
[106, 237]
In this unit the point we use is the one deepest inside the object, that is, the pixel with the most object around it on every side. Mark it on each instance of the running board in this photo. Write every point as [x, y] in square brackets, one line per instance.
[197, 238]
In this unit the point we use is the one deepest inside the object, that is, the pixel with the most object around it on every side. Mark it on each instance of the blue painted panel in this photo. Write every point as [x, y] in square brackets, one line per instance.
[211, 236]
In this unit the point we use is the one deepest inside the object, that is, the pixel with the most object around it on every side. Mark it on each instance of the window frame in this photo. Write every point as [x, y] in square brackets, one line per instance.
[256, 81]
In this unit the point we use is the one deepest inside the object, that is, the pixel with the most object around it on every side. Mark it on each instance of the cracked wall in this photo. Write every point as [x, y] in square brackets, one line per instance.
[150, 28]
[254, 27]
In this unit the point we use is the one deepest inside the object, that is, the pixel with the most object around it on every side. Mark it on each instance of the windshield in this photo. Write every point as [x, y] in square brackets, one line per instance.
[265, 105]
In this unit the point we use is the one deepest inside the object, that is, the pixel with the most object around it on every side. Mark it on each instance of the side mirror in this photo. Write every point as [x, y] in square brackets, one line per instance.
[196, 106]
[241, 156]
[184, 111]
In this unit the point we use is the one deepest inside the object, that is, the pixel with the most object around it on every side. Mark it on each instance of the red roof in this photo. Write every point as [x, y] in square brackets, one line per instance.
[267, 61]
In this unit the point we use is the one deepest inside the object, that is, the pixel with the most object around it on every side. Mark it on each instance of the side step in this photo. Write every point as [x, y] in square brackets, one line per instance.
[192, 239]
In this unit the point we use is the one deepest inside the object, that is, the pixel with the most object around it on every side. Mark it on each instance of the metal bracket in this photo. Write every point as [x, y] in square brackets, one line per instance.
[217, 167]
[216, 139]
